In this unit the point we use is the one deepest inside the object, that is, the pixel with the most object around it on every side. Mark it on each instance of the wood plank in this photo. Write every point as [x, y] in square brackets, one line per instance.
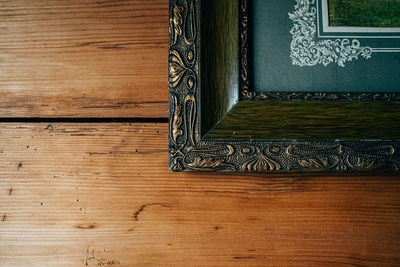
[102, 195]
[85, 58]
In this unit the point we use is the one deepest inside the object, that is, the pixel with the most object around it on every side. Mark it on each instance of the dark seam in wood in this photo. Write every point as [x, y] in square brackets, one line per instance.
[137, 213]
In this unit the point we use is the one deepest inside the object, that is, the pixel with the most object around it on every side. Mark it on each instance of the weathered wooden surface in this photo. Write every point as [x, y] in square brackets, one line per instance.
[102, 195]
[83, 58]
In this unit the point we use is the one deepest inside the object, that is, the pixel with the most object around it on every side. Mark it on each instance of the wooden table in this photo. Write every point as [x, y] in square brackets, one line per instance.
[80, 189]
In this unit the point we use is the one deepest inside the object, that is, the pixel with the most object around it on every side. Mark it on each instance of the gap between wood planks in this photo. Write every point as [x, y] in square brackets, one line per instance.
[83, 120]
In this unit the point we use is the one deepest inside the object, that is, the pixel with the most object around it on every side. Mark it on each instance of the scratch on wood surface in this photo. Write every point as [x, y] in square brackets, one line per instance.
[244, 257]
[86, 227]
[124, 105]
[116, 46]
[142, 208]
[88, 44]
[99, 153]
[143, 102]
[252, 218]
[120, 153]
[10, 191]
[90, 256]
[49, 127]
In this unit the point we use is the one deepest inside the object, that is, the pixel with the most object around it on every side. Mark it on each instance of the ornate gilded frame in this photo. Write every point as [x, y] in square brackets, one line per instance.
[189, 151]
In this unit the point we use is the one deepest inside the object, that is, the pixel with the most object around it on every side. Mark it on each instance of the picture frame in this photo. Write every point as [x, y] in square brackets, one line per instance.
[219, 122]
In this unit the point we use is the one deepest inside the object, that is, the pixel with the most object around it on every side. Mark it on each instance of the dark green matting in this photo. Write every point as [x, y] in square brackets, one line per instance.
[272, 69]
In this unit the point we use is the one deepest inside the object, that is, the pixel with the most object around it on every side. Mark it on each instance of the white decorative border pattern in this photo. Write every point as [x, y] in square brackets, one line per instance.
[307, 51]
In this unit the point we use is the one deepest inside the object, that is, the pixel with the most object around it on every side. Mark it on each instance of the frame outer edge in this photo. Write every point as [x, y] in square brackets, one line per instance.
[188, 153]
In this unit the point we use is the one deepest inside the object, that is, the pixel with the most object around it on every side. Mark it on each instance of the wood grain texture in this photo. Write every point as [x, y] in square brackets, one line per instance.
[309, 120]
[219, 60]
[85, 58]
[102, 195]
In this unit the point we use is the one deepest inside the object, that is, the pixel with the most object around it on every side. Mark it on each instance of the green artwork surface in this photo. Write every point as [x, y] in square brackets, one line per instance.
[364, 13]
